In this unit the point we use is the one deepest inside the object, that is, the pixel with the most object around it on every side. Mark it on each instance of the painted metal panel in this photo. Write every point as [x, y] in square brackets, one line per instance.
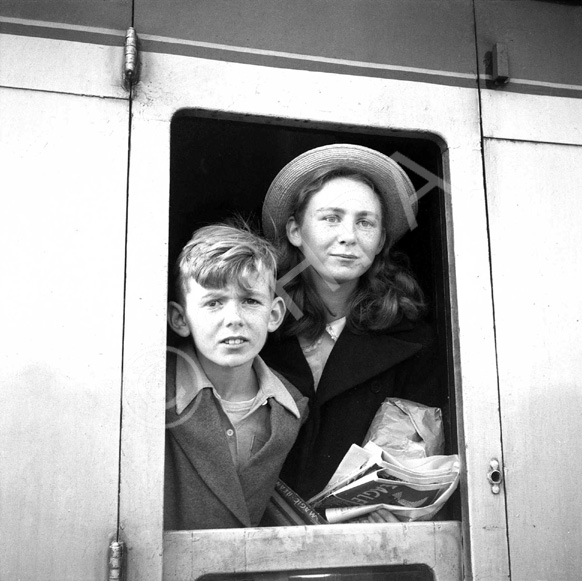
[532, 117]
[437, 545]
[411, 37]
[542, 39]
[54, 64]
[62, 237]
[171, 83]
[535, 209]
[105, 14]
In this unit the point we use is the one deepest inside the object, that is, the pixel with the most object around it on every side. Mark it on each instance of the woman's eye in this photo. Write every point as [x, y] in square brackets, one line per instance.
[366, 224]
[331, 218]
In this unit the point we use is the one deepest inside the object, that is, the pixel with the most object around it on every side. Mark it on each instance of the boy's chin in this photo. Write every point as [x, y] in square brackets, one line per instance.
[235, 360]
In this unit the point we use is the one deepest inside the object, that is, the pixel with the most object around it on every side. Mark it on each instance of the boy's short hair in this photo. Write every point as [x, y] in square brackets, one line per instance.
[221, 254]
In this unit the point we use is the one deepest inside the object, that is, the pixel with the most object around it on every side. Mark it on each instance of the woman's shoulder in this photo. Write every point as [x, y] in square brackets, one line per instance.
[419, 331]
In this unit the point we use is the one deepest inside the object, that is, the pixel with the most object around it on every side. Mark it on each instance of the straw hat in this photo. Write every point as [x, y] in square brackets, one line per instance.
[394, 185]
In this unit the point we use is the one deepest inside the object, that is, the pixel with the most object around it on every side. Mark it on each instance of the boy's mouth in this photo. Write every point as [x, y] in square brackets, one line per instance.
[234, 341]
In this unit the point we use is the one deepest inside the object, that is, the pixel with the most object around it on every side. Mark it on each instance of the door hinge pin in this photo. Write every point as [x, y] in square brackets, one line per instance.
[116, 561]
[131, 64]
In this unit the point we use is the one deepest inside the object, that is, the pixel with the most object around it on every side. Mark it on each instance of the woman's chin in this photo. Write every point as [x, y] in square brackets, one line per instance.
[340, 278]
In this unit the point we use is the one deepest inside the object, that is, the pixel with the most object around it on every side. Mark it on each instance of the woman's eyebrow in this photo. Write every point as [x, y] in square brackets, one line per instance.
[368, 213]
[342, 211]
[331, 209]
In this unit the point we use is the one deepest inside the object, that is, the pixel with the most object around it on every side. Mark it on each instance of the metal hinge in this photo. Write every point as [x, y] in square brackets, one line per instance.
[131, 62]
[116, 562]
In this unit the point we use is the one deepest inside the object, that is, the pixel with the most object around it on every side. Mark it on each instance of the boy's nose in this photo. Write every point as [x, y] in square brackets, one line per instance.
[233, 313]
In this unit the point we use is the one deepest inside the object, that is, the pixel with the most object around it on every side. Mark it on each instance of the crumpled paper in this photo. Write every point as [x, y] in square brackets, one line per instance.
[406, 428]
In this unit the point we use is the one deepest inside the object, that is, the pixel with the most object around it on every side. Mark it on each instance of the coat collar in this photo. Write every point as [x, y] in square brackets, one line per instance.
[354, 359]
[357, 358]
[191, 380]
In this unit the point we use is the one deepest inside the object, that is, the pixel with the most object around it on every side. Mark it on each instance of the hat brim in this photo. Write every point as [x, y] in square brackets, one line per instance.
[391, 180]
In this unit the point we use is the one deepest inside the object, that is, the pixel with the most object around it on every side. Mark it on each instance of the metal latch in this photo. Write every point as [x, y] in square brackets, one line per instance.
[500, 65]
[131, 62]
[495, 476]
[116, 561]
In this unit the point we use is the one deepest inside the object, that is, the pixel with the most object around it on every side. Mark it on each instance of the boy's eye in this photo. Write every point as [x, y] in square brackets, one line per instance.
[213, 303]
[251, 301]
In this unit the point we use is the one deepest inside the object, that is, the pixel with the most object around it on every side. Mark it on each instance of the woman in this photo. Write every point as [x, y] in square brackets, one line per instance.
[353, 334]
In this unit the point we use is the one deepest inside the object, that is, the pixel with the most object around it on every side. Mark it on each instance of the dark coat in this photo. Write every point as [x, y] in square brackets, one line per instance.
[202, 488]
[362, 370]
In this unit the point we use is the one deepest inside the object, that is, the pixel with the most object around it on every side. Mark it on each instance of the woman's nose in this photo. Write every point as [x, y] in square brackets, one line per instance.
[347, 233]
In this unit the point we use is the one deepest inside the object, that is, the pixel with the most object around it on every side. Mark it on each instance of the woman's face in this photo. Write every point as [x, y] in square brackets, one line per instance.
[341, 230]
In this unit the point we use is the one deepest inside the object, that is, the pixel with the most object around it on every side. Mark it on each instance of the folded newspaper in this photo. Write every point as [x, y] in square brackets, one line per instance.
[370, 478]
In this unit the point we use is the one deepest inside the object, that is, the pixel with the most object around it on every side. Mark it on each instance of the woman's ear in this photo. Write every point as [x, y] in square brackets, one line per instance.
[293, 232]
[177, 319]
[277, 314]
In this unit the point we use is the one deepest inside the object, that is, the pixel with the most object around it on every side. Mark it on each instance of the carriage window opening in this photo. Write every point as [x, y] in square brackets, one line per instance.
[223, 167]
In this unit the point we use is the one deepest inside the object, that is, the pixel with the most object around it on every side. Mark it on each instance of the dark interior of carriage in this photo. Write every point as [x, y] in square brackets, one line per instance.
[223, 166]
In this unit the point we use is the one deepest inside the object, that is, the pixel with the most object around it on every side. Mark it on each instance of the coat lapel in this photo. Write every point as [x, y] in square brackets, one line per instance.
[284, 426]
[259, 475]
[353, 360]
[198, 431]
[357, 358]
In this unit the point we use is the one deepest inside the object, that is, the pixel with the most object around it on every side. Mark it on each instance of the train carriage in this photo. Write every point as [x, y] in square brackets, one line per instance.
[124, 124]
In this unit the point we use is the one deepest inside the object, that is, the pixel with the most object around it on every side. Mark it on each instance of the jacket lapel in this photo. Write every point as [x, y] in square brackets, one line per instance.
[357, 358]
[353, 360]
[262, 468]
[198, 431]
[283, 428]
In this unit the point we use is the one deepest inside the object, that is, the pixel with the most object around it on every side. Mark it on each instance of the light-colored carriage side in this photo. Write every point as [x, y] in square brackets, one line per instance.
[86, 182]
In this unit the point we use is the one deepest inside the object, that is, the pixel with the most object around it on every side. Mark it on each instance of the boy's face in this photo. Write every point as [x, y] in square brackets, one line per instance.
[229, 325]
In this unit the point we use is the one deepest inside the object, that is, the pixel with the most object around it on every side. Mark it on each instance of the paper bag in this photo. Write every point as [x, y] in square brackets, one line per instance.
[406, 428]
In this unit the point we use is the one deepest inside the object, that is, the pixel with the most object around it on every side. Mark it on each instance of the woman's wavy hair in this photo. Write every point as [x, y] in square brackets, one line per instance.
[386, 293]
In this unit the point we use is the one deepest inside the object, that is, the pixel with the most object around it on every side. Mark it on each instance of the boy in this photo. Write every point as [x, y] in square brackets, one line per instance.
[230, 420]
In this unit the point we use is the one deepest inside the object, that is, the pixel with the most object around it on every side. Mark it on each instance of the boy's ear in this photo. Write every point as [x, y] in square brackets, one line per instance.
[177, 319]
[293, 232]
[277, 314]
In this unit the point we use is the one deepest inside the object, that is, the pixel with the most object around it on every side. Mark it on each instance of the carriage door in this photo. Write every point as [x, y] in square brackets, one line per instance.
[533, 168]
[535, 208]
[535, 211]
[227, 96]
[64, 118]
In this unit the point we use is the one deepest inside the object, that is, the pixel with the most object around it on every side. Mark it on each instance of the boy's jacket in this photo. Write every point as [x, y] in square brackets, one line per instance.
[202, 487]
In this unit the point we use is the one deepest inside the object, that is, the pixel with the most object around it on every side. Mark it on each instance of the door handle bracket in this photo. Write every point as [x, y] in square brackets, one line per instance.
[495, 476]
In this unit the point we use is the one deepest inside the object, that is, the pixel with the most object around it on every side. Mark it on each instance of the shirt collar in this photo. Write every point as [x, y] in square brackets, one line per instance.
[191, 380]
[335, 328]
[271, 386]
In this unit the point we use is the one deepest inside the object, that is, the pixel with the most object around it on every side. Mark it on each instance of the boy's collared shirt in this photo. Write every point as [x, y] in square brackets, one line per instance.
[251, 430]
